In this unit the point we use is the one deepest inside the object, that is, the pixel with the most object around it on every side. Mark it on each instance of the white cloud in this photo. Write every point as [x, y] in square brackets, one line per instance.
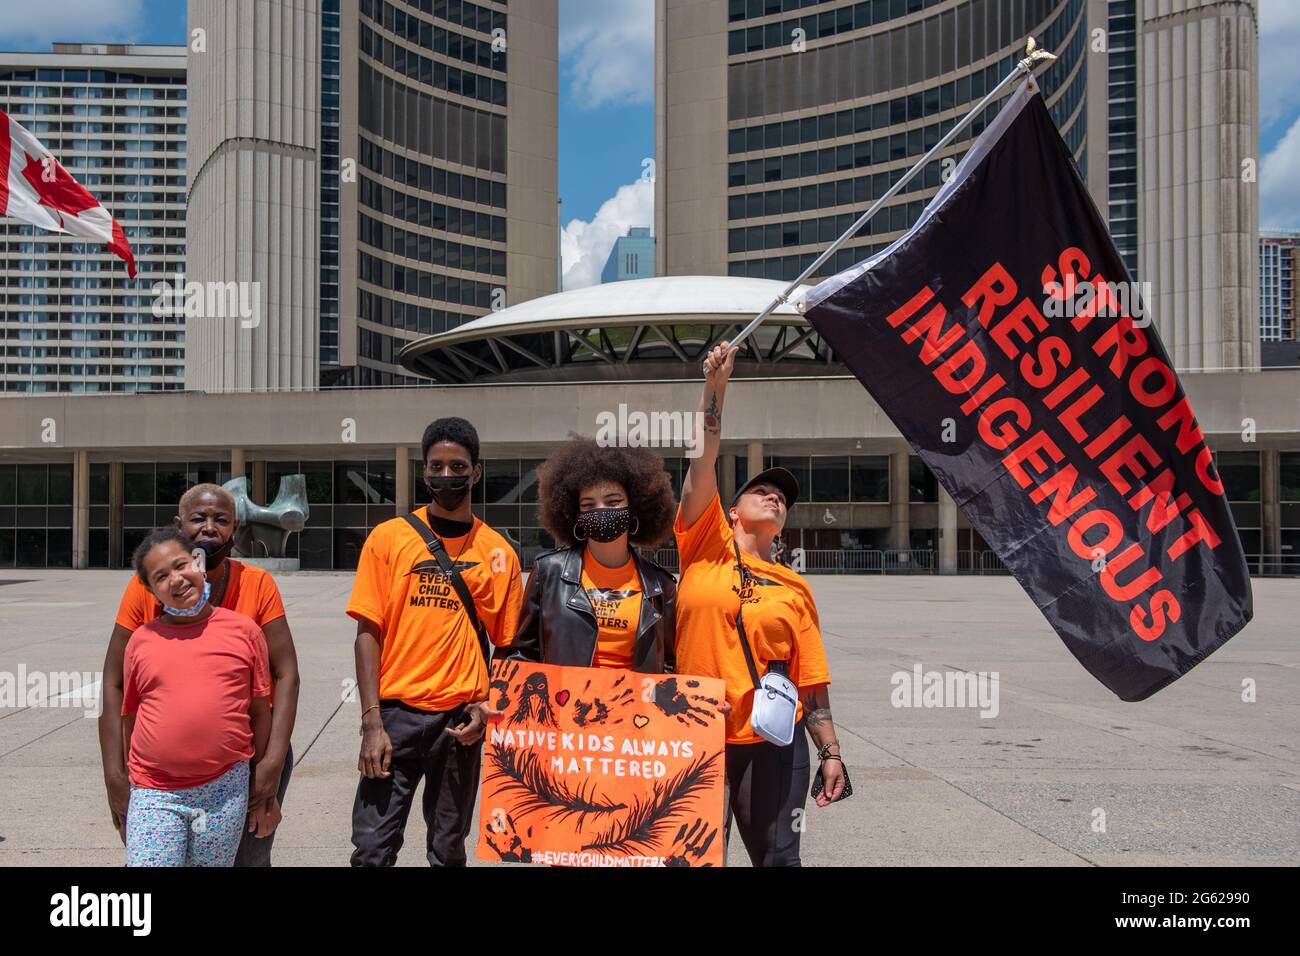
[1279, 183]
[1279, 67]
[36, 25]
[585, 246]
[607, 47]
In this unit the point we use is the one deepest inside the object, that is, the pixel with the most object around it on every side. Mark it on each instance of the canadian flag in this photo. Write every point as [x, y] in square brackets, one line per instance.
[37, 190]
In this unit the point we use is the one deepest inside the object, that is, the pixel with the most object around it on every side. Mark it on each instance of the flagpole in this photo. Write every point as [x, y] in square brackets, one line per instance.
[1032, 55]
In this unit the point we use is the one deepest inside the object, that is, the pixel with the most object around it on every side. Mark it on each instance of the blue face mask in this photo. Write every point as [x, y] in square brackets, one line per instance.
[191, 611]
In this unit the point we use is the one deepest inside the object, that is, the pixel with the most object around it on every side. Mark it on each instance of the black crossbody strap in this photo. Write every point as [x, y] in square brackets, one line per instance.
[740, 624]
[439, 552]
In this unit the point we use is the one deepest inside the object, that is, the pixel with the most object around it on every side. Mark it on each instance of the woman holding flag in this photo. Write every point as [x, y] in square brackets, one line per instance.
[753, 623]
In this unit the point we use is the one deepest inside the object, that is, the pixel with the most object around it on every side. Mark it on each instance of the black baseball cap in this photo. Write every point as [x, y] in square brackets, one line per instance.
[783, 478]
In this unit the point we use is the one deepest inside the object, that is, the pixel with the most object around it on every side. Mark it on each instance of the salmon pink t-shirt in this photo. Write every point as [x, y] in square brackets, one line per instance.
[190, 686]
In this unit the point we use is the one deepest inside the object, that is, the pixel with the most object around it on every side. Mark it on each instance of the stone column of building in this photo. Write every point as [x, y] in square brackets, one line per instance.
[754, 456]
[238, 466]
[116, 497]
[727, 476]
[402, 482]
[1270, 510]
[947, 532]
[253, 213]
[900, 522]
[1198, 152]
[81, 509]
[258, 489]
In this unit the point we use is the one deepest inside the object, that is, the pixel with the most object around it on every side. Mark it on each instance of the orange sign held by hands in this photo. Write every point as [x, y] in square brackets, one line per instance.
[602, 767]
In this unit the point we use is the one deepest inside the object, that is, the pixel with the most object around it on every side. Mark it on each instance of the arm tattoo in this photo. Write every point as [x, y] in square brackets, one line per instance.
[712, 415]
[822, 715]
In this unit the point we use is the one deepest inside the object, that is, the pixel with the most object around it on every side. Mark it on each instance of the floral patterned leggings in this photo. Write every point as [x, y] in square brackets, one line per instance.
[200, 826]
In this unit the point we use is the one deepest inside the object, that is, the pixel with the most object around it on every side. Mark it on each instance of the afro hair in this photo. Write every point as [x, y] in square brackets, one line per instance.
[581, 463]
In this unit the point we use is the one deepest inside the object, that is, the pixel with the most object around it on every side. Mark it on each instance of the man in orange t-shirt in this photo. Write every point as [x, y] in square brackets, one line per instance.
[421, 672]
[206, 514]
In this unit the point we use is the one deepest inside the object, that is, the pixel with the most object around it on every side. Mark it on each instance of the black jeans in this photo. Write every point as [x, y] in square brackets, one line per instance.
[254, 850]
[450, 772]
[767, 787]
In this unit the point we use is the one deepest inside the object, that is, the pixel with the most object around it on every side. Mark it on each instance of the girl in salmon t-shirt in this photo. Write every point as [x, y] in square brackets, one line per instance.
[196, 688]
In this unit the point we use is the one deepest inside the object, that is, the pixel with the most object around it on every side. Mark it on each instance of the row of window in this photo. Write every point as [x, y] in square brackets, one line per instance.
[828, 23]
[99, 146]
[92, 109]
[828, 76]
[44, 128]
[430, 178]
[430, 249]
[57, 75]
[119, 385]
[396, 314]
[785, 268]
[395, 277]
[447, 43]
[883, 149]
[432, 127]
[824, 230]
[819, 196]
[471, 16]
[432, 72]
[88, 335]
[431, 215]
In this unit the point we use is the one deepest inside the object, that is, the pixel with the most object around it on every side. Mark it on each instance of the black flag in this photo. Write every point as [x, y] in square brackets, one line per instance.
[1072, 448]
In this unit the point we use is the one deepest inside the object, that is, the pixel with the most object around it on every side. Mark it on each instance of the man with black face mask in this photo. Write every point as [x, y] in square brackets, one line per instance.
[207, 516]
[434, 591]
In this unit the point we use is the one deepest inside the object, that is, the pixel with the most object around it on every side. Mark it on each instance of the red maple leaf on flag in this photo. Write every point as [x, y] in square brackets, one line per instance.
[59, 191]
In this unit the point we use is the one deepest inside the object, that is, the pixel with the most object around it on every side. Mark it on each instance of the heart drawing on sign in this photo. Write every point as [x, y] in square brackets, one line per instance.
[640, 720]
[562, 698]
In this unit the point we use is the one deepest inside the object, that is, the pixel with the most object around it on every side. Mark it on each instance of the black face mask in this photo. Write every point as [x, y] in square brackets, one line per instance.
[448, 490]
[214, 551]
[604, 524]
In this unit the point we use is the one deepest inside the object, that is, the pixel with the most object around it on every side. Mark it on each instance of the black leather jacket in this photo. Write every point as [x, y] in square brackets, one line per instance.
[558, 625]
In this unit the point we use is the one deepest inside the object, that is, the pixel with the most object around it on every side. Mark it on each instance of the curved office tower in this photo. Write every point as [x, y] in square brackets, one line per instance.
[254, 197]
[449, 108]
[778, 121]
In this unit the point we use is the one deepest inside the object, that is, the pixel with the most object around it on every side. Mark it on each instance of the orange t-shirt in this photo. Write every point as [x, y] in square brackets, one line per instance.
[190, 686]
[250, 591]
[780, 618]
[430, 657]
[615, 595]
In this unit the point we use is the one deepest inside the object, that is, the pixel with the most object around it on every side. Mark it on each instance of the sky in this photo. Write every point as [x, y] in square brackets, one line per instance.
[606, 106]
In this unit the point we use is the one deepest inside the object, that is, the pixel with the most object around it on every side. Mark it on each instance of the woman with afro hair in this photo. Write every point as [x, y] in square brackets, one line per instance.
[595, 601]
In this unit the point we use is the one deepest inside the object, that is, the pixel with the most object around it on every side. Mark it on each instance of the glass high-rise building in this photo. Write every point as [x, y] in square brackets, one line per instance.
[409, 150]
[1279, 257]
[70, 318]
[779, 121]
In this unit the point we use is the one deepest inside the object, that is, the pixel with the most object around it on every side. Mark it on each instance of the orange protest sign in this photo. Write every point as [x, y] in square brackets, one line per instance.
[602, 767]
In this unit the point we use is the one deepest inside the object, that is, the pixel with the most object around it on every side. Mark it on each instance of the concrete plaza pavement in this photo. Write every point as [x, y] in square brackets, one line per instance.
[1195, 775]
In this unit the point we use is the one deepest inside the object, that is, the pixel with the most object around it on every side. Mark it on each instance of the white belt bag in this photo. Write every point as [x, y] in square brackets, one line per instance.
[776, 699]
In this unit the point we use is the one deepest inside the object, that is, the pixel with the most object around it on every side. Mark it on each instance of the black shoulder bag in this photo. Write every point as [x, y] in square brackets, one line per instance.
[439, 552]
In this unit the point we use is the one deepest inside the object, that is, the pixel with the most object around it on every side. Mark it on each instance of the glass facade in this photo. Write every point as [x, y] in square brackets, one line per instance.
[431, 237]
[329, 186]
[1121, 118]
[70, 319]
[1278, 255]
[785, 130]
